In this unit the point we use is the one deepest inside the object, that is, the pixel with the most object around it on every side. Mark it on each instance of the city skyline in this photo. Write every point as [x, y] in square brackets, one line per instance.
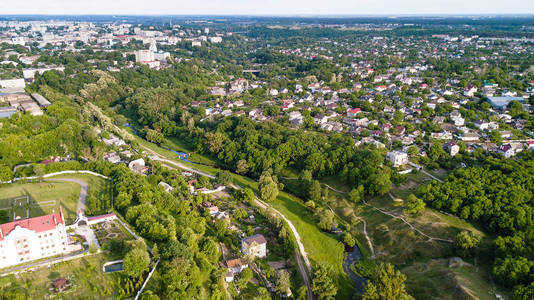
[268, 7]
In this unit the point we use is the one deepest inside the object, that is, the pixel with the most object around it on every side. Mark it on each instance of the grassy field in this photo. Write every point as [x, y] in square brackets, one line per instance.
[47, 196]
[88, 280]
[320, 246]
[435, 277]
[43, 197]
[423, 260]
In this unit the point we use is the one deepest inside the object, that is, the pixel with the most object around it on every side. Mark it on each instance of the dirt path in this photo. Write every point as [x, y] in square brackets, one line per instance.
[406, 222]
[83, 191]
[371, 248]
[368, 239]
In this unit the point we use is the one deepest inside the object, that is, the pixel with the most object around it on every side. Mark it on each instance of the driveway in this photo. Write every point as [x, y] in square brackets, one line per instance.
[83, 191]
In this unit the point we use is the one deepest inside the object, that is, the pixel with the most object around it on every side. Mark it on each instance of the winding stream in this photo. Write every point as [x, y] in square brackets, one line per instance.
[351, 258]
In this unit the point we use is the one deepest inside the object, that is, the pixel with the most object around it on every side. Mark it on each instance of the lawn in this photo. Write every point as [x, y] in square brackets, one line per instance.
[46, 197]
[85, 274]
[43, 197]
[320, 246]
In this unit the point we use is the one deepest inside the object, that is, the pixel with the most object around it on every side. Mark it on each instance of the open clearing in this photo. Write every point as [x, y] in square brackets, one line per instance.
[420, 258]
[37, 199]
[40, 198]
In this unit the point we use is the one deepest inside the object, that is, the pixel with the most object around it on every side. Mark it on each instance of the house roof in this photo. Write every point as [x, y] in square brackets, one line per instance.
[354, 110]
[37, 224]
[505, 148]
[60, 282]
[258, 238]
[101, 217]
[232, 263]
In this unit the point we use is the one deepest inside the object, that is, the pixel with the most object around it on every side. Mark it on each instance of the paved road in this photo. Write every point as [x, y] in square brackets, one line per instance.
[83, 191]
[155, 156]
[302, 269]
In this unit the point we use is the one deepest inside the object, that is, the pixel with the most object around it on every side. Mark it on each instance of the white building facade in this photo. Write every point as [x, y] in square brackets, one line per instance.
[255, 245]
[30, 239]
[397, 158]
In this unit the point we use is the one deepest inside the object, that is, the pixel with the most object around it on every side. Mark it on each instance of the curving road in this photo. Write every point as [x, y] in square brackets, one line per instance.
[157, 157]
[83, 191]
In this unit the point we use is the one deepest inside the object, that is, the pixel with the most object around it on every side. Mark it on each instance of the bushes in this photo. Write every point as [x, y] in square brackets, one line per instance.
[497, 193]
[365, 268]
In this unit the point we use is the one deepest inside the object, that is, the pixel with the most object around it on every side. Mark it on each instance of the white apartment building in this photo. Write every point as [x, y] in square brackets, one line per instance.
[144, 56]
[30, 239]
[397, 158]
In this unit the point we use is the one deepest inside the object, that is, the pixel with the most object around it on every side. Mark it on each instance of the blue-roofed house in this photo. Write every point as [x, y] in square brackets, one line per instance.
[502, 102]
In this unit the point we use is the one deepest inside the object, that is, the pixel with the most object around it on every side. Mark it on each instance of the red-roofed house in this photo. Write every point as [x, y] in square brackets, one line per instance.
[353, 112]
[30, 239]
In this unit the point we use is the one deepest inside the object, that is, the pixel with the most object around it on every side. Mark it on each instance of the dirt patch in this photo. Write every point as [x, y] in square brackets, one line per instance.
[409, 185]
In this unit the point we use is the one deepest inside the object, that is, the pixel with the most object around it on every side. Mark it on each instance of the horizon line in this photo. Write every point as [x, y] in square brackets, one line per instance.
[285, 15]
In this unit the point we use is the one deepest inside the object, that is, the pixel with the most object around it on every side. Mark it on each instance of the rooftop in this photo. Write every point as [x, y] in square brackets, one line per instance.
[37, 224]
[258, 238]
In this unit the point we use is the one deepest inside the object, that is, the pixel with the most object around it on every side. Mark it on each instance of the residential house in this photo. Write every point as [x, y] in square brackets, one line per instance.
[320, 119]
[255, 245]
[397, 158]
[138, 166]
[506, 150]
[470, 137]
[452, 148]
[352, 112]
[482, 125]
[112, 157]
[236, 265]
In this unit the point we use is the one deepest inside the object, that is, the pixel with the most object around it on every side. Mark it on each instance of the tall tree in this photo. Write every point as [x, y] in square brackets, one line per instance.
[283, 283]
[414, 205]
[136, 262]
[322, 284]
[387, 284]
[268, 187]
[465, 242]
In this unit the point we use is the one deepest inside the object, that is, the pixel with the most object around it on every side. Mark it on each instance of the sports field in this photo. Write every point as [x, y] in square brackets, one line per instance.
[27, 200]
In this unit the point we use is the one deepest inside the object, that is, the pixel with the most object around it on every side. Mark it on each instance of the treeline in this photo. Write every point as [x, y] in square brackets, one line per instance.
[248, 147]
[499, 194]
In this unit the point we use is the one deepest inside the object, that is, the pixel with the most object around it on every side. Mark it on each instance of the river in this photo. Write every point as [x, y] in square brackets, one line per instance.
[351, 258]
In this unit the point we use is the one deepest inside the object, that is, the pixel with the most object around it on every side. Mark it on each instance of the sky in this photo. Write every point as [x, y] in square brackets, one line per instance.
[266, 7]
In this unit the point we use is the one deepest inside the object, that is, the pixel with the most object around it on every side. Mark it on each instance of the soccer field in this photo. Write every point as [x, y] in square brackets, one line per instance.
[27, 200]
